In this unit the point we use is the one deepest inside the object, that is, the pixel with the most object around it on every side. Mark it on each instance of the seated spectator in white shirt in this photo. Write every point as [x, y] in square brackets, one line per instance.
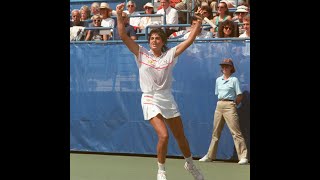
[246, 26]
[171, 16]
[107, 21]
[134, 21]
[147, 20]
[184, 34]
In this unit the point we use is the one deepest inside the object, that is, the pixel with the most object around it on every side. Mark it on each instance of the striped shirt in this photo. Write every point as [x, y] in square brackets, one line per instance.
[155, 72]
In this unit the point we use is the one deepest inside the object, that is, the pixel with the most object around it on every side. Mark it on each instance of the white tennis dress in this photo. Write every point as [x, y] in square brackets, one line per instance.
[155, 83]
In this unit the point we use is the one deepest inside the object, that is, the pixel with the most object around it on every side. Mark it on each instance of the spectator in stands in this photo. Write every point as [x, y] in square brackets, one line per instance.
[213, 4]
[174, 2]
[229, 94]
[85, 13]
[145, 21]
[95, 8]
[107, 21]
[182, 16]
[201, 35]
[171, 4]
[230, 3]
[244, 3]
[76, 16]
[187, 5]
[158, 104]
[228, 29]
[156, 4]
[129, 29]
[246, 26]
[222, 15]
[95, 35]
[239, 14]
[134, 21]
[76, 26]
[171, 16]
[207, 12]
[210, 3]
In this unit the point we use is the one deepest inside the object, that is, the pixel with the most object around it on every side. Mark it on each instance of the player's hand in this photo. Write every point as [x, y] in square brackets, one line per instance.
[199, 14]
[120, 8]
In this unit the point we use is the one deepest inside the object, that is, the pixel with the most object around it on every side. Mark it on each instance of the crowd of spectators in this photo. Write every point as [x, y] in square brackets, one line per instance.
[224, 22]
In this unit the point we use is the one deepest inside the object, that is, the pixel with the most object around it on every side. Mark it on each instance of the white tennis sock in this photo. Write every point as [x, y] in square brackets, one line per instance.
[189, 159]
[161, 166]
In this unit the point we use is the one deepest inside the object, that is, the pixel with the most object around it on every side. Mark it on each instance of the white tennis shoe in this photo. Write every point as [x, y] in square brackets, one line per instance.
[205, 159]
[243, 161]
[161, 175]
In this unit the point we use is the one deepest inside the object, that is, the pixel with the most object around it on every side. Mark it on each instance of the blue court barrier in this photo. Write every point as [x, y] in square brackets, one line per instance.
[105, 108]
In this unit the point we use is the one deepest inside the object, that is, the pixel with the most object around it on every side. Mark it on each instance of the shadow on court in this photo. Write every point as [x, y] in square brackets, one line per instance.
[117, 167]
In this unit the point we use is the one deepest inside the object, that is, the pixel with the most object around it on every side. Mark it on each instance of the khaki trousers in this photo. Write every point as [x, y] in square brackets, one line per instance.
[226, 111]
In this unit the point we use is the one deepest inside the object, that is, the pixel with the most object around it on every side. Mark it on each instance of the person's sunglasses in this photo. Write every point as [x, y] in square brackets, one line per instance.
[130, 6]
[97, 20]
[226, 27]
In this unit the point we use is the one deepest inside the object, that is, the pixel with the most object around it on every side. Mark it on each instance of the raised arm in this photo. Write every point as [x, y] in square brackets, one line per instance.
[131, 44]
[193, 34]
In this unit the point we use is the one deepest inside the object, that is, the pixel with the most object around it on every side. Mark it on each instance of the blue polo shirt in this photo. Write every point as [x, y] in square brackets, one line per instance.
[227, 89]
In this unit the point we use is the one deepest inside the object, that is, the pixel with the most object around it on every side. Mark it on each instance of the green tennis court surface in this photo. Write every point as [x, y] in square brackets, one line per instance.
[117, 167]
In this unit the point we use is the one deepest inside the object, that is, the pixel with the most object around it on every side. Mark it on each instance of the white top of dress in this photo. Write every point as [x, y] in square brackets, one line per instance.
[155, 72]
